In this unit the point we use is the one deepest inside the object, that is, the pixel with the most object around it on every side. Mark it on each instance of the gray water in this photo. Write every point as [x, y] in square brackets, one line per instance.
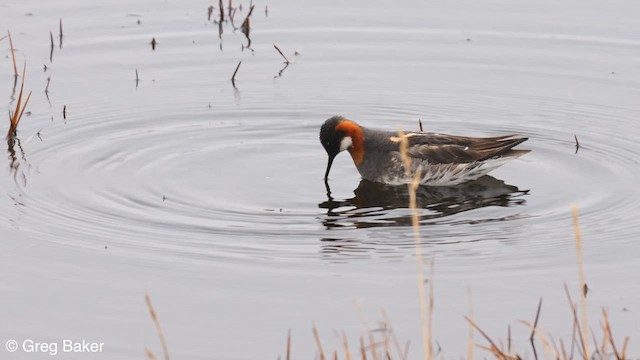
[210, 197]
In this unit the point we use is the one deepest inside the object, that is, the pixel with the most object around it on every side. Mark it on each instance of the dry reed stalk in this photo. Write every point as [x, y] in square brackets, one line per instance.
[209, 12]
[13, 54]
[64, 112]
[316, 336]
[415, 222]
[286, 61]
[420, 122]
[288, 356]
[46, 89]
[493, 348]
[4, 37]
[363, 351]
[583, 285]
[367, 328]
[345, 346]
[576, 324]
[396, 343]
[233, 77]
[156, 322]
[546, 345]
[14, 118]
[61, 33]
[221, 11]
[609, 335]
[470, 303]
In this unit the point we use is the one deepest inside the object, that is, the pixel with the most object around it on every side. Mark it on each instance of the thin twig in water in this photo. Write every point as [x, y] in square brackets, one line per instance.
[420, 122]
[153, 43]
[221, 11]
[209, 12]
[233, 78]
[577, 143]
[156, 322]
[46, 89]
[64, 112]
[285, 58]
[137, 78]
[61, 34]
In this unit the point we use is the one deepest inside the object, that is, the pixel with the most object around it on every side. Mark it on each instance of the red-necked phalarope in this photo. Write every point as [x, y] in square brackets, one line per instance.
[441, 159]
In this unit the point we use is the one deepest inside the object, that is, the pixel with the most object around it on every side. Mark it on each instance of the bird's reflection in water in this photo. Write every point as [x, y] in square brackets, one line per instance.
[374, 204]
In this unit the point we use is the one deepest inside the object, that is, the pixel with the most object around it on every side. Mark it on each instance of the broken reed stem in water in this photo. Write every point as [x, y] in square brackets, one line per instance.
[583, 285]
[285, 58]
[61, 33]
[13, 54]
[14, 118]
[426, 323]
[233, 78]
[156, 322]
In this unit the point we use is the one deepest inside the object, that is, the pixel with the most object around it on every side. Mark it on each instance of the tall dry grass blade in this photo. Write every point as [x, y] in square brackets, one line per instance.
[563, 350]
[318, 343]
[415, 222]
[583, 295]
[546, 345]
[393, 336]
[624, 347]
[345, 346]
[494, 348]
[14, 118]
[470, 345]
[509, 338]
[288, 356]
[609, 334]
[156, 322]
[576, 324]
[367, 328]
[13, 54]
[363, 351]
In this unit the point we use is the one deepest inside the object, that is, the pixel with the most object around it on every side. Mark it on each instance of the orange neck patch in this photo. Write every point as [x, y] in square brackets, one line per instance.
[354, 131]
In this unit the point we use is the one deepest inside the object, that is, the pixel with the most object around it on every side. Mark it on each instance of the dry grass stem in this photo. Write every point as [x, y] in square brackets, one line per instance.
[288, 355]
[156, 322]
[13, 54]
[415, 221]
[583, 295]
[317, 337]
[543, 339]
[233, 77]
[16, 115]
[367, 328]
[493, 346]
[576, 324]
[470, 345]
[285, 58]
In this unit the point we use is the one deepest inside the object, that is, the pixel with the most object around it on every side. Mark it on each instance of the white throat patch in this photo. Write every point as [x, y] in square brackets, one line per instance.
[345, 143]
